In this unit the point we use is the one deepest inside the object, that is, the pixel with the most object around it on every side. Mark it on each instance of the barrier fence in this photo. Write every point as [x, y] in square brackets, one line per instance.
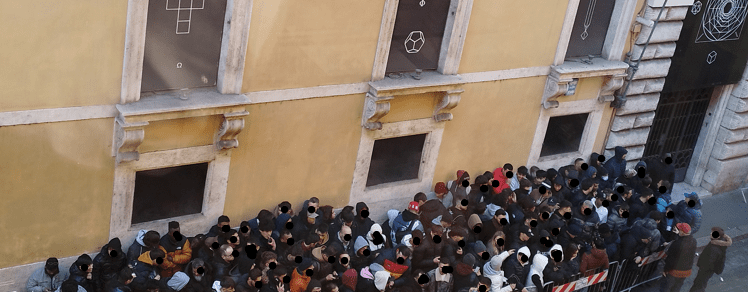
[622, 276]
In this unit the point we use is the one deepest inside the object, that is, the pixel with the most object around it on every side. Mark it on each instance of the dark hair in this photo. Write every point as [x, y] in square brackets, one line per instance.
[223, 218]
[254, 273]
[329, 287]
[647, 192]
[587, 183]
[540, 173]
[267, 226]
[508, 166]
[578, 160]
[599, 243]
[347, 217]
[655, 215]
[420, 197]
[227, 282]
[314, 200]
[323, 228]
[280, 270]
[326, 212]
[125, 274]
[624, 206]
[458, 231]
[522, 170]
[485, 281]
[445, 260]
[530, 215]
[524, 183]
[151, 238]
[666, 184]
[499, 212]
[404, 250]
[264, 216]
[267, 256]
[157, 253]
[646, 181]
[311, 238]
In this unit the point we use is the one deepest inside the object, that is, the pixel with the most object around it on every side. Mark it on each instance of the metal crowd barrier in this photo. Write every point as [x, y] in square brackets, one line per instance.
[621, 276]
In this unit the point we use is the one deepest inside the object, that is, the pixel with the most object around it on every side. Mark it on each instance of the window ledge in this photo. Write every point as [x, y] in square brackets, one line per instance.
[563, 78]
[382, 91]
[134, 117]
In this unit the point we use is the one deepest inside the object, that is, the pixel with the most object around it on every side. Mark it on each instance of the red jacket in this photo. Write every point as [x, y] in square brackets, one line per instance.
[499, 176]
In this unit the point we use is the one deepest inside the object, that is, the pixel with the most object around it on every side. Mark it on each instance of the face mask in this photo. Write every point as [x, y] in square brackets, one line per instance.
[605, 178]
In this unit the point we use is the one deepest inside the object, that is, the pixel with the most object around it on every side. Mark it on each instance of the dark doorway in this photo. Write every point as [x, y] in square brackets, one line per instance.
[676, 127]
[395, 159]
[168, 192]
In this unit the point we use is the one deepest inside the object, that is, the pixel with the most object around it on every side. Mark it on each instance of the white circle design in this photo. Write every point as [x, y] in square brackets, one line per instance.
[696, 8]
[723, 20]
[414, 42]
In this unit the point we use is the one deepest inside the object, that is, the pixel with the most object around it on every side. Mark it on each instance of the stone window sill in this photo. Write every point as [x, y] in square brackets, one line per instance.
[563, 78]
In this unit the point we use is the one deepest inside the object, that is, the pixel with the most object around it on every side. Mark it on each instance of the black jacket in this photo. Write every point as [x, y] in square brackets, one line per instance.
[713, 256]
[680, 254]
[512, 267]
[106, 267]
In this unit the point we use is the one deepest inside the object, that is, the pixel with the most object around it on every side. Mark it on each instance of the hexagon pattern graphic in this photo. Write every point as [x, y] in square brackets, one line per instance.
[723, 20]
[696, 8]
[414, 42]
[711, 57]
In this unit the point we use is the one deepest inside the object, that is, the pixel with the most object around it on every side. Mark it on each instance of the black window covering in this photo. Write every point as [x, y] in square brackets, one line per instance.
[590, 28]
[423, 28]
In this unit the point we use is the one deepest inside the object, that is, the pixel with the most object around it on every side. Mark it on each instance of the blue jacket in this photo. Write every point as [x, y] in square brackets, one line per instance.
[40, 280]
[692, 216]
[616, 166]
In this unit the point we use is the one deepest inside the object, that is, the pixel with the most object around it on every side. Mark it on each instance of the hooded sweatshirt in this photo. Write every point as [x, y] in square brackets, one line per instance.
[553, 270]
[360, 224]
[78, 276]
[616, 166]
[137, 247]
[178, 281]
[492, 270]
[535, 277]
[514, 267]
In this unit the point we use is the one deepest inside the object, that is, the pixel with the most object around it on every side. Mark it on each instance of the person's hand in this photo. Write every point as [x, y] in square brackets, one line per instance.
[638, 259]
[272, 243]
[513, 286]
[511, 252]
[664, 274]
[89, 276]
[390, 284]
[459, 251]
[436, 260]
[280, 287]
[157, 277]
[330, 277]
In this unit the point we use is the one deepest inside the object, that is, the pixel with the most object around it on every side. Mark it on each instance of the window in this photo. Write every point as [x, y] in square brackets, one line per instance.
[417, 36]
[168, 192]
[564, 134]
[395, 159]
[182, 44]
[590, 28]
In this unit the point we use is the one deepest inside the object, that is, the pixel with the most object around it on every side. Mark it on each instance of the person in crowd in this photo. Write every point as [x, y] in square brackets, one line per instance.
[362, 223]
[518, 265]
[200, 274]
[217, 229]
[121, 282]
[500, 175]
[442, 194]
[441, 277]
[597, 257]
[554, 270]
[617, 164]
[47, 278]
[405, 222]
[146, 240]
[535, 277]
[712, 259]
[679, 259]
[147, 270]
[177, 250]
[689, 211]
[108, 263]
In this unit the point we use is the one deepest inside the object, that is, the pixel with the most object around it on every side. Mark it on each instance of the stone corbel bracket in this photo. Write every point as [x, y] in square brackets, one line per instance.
[127, 138]
[449, 101]
[374, 109]
[555, 86]
[561, 77]
[610, 86]
[232, 125]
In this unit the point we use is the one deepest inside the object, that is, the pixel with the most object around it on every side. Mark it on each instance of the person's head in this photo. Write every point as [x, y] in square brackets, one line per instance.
[599, 244]
[322, 229]
[578, 164]
[403, 252]
[623, 207]
[525, 184]
[268, 257]
[440, 189]
[284, 235]
[664, 183]
[645, 195]
[570, 251]
[445, 262]
[155, 255]
[345, 230]
[51, 267]
[313, 202]
[230, 238]
[499, 214]
[564, 207]
[198, 266]
[506, 168]
[197, 241]
[173, 227]
[223, 220]
[228, 284]
[151, 239]
[587, 205]
[525, 233]
[420, 198]
[522, 172]
[540, 176]
[226, 252]
[328, 214]
[627, 192]
[347, 218]
[646, 181]
[126, 275]
[330, 287]
[458, 233]
[255, 275]
[311, 239]
[587, 185]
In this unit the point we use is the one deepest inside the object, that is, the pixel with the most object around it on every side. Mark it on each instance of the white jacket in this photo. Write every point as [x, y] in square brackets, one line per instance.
[495, 274]
[538, 265]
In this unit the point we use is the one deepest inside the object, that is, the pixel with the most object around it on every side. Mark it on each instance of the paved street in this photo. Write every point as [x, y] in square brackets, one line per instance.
[730, 212]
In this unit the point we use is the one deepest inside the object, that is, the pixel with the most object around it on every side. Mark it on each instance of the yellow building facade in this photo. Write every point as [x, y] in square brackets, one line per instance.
[302, 95]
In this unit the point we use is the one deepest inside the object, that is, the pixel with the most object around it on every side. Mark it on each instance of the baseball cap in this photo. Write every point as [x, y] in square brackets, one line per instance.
[413, 206]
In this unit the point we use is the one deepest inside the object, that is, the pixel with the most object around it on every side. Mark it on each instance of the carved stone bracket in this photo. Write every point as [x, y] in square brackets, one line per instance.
[127, 138]
[610, 86]
[232, 125]
[449, 101]
[374, 109]
[555, 86]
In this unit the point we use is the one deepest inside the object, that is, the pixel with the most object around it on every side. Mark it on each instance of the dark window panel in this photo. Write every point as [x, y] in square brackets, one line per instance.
[590, 28]
[168, 192]
[564, 134]
[395, 159]
[182, 45]
[423, 28]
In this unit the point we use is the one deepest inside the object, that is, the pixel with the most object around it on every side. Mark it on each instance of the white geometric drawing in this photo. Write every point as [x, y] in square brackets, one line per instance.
[422, 3]
[184, 12]
[588, 18]
[414, 42]
[711, 57]
[696, 8]
[723, 20]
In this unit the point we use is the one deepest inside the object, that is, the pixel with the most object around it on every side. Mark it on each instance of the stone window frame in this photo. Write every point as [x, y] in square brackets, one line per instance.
[213, 198]
[400, 190]
[233, 48]
[453, 41]
[586, 144]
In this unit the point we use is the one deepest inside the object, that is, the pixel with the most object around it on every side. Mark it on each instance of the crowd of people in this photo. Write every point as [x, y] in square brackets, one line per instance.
[506, 230]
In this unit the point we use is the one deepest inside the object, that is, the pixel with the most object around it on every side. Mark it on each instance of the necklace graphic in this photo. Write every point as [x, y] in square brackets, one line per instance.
[588, 18]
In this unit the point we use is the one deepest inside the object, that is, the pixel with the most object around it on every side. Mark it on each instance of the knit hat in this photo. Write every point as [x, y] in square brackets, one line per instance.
[380, 279]
[460, 173]
[496, 262]
[440, 188]
[350, 279]
[469, 259]
[178, 281]
[413, 206]
[684, 227]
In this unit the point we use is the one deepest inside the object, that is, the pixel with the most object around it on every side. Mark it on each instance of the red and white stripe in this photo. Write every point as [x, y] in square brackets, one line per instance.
[583, 282]
[568, 287]
[652, 258]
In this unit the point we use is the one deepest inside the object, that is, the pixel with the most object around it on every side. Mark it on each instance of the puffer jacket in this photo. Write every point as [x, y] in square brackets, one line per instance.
[180, 252]
[713, 257]
[553, 270]
[686, 214]
[106, 267]
[39, 280]
[145, 272]
[78, 276]
[680, 254]
[513, 267]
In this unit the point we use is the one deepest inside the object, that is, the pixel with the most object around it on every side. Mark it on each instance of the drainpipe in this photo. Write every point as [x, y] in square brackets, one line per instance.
[620, 100]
